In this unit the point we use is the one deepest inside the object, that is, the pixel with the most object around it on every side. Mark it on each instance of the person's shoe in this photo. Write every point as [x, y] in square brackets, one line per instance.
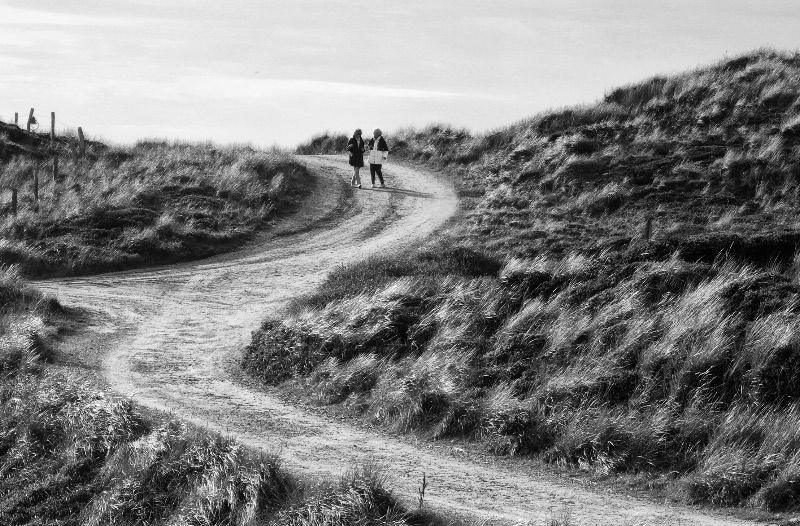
[373, 186]
[359, 187]
[383, 186]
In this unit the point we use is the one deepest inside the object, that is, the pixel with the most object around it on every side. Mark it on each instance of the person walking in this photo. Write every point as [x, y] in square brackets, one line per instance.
[355, 147]
[378, 153]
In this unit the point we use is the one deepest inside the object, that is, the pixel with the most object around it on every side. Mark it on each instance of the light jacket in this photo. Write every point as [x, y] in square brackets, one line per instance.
[378, 150]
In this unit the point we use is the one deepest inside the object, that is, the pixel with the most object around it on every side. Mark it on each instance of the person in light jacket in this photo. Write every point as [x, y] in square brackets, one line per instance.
[378, 153]
[355, 147]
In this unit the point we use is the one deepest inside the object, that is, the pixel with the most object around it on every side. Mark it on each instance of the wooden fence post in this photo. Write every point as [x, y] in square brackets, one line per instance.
[35, 184]
[82, 141]
[16, 118]
[30, 118]
[648, 229]
[52, 126]
[14, 201]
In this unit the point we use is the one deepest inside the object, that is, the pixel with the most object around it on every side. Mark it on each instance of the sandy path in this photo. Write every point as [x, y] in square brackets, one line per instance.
[166, 336]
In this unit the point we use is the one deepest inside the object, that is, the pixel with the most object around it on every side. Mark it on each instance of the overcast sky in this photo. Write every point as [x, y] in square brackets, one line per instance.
[276, 72]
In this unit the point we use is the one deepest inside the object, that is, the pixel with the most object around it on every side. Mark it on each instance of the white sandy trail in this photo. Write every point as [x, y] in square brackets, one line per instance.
[167, 334]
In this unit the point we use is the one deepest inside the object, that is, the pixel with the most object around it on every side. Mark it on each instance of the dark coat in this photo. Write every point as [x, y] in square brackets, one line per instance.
[382, 146]
[355, 147]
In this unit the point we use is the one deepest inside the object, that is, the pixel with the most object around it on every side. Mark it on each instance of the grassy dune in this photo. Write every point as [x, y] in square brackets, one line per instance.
[543, 324]
[72, 455]
[124, 207]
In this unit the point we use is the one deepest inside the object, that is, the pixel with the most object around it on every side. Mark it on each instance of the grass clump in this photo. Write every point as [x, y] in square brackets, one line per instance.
[122, 207]
[358, 497]
[673, 358]
[324, 143]
[588, 362]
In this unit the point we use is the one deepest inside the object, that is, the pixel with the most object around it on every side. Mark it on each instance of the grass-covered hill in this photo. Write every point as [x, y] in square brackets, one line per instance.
[132, 206]
[72, 455]
[544, 324]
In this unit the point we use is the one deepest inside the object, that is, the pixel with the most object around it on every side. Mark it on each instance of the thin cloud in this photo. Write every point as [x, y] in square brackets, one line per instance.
[216, 88]
[8, 62]
[10, 16]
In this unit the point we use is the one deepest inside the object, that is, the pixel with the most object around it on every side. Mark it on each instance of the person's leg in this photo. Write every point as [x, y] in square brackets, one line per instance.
[372, 172]
[379, 172]
[357, 176]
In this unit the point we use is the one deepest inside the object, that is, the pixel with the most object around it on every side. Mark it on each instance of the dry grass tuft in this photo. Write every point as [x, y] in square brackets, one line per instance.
[121, 207]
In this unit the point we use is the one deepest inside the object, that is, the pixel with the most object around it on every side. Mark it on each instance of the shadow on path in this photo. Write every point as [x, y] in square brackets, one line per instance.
[403, 191]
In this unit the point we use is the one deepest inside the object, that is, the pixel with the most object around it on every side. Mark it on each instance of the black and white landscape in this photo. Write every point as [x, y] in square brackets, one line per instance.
[571, 297]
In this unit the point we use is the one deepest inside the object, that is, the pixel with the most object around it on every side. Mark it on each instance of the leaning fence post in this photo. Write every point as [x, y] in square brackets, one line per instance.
[52, 126]
[82, 141]
[648, 229]
[35, 184]
[14, 201]
[30, 119]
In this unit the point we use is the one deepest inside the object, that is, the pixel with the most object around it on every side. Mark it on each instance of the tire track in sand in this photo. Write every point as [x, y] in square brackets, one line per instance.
[166, 334]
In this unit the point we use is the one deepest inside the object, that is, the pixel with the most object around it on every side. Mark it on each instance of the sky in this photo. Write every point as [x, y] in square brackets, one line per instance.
[277, 72]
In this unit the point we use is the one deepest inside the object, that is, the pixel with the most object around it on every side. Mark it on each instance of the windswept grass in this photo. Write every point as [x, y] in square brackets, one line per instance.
[324, 143]
[673, 358]
[122, 207]
[585, 363]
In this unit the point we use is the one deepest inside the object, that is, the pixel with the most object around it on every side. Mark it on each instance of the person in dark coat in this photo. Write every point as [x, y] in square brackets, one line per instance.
[355, 147]
[378, 153]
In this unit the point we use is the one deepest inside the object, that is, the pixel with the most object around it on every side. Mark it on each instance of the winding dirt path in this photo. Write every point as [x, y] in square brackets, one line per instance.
[166, 336]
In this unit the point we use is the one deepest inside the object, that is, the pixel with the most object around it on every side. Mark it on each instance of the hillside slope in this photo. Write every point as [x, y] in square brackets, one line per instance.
[169, 337]
[546, 324]
[125, 207]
